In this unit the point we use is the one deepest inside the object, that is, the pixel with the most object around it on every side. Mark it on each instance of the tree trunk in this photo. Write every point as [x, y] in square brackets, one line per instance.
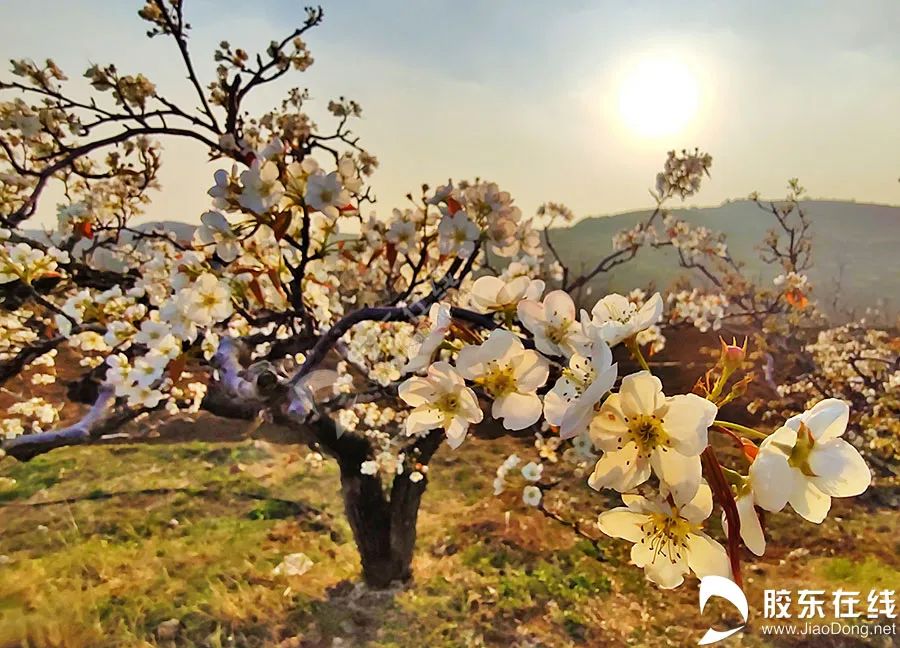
[384, 530]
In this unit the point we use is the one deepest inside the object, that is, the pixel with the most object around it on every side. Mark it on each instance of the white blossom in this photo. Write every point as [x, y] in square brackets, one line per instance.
[640, 427]
[441, 399]
[668, 538]
[579, 389]
[509, 374]
[490, 294]
[457, 234]
[615, 318]
[531, 495]
[806, 463]
[554, 325]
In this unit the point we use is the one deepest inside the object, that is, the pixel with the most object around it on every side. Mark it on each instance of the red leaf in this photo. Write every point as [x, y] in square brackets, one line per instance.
[257, 291]
[85, 228]
[245, 269]
[750, 449]
[176, 367]
[796, 298]
[282, 221]
[276, 281]
[453, 205]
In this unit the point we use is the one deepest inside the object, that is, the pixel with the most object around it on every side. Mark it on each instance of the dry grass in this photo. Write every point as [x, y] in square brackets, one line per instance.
[101, 570]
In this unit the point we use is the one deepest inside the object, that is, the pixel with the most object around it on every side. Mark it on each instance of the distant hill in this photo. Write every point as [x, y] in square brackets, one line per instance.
[856, 247]
[184, 231]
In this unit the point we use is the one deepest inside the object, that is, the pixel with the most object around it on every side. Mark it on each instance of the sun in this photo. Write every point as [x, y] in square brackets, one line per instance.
[658, 97]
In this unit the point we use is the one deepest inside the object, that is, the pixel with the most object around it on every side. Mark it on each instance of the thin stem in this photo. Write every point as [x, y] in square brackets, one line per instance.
[635, 349]
[743, 429]
[575, 526]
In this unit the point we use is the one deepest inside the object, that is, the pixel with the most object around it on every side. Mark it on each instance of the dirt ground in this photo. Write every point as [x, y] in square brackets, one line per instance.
[174, 542]
[102, 546]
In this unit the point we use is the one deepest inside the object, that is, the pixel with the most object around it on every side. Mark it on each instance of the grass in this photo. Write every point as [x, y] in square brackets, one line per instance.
[867, 574]
[102, 545]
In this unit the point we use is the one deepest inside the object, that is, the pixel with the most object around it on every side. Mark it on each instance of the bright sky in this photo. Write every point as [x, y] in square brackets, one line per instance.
[554, 101]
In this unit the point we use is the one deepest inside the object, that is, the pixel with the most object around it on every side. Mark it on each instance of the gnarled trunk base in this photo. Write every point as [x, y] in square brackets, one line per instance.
[384, 529]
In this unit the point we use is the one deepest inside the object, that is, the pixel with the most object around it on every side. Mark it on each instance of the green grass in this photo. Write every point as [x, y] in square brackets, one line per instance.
[39, 474]
[866, 574]
[104, 544]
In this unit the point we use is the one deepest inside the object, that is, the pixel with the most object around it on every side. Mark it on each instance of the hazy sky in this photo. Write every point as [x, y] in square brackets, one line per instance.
[527, 93]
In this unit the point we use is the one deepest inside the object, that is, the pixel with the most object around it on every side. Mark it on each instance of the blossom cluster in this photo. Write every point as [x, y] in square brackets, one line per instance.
[694, 242]
[33, 415]
[682, 173]
[22, 262]
[704, 310]
[643, 436]
[859, 364]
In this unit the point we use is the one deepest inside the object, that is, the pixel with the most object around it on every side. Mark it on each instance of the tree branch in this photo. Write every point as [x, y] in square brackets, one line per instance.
[92, 426]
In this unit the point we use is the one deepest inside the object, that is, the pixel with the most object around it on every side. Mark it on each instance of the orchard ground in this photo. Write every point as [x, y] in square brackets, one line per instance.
[105, 545]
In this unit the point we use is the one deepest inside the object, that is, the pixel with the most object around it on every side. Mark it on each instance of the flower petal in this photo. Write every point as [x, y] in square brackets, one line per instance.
[680, 473]
[559, 306]
[707, 557]
[518, 411]
[687, 421]
[638, 503]
[641, 393]
[751, 529]
[555, 406]
[771, 479]
[622, 522]
[456, 431]
[422, 419]
[699, 508]
[445, 375]
[469, 407]
[531, 314]
[662, 571]
[416, 391]
[649, 313]
[502, 346]
[620, 470]
[827, 419]
[609, 424]
[840, 469]
[470, 361]
[483, 295]
[809, 502]
[530, 370]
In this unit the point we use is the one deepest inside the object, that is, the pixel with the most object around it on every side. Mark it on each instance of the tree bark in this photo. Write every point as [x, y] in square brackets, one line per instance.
[384, 529]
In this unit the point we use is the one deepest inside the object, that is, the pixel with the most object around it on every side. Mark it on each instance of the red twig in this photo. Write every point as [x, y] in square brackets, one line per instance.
[722, 493]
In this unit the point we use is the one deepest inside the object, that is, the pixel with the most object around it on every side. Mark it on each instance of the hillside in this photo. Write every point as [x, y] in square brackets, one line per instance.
[854, 248]
[107, 546]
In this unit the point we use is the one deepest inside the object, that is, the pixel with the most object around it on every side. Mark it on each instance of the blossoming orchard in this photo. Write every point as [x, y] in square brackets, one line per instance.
[378, 338]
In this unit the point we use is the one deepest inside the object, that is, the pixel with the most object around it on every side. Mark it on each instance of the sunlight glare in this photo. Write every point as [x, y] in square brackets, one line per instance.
[658, 97]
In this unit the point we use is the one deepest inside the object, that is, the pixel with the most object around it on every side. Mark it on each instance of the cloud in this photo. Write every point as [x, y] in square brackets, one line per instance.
[520, 92]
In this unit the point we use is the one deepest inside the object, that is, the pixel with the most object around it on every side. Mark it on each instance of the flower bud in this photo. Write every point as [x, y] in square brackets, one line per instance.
[732, 355]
